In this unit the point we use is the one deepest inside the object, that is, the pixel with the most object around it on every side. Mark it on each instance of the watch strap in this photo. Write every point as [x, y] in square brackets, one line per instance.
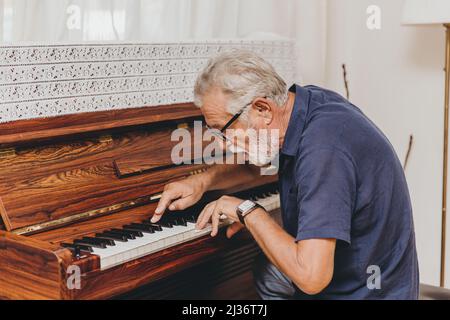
[242, 215]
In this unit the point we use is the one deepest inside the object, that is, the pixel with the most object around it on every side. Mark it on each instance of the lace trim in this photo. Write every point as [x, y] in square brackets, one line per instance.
[51, 80]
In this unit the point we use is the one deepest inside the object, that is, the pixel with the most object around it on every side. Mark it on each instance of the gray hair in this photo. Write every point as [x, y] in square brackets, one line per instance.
[242, 76]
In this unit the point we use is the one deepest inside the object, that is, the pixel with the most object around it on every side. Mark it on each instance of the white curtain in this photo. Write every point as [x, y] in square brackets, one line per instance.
[172, 20]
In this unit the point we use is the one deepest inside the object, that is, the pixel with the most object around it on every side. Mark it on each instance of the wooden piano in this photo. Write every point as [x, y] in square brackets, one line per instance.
[76, 193]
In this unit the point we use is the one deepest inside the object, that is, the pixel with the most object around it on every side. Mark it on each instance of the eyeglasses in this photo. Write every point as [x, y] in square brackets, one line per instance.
[220, 133]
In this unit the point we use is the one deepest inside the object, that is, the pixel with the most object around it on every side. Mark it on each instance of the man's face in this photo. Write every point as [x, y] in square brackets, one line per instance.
[242, 136]
[216, 116]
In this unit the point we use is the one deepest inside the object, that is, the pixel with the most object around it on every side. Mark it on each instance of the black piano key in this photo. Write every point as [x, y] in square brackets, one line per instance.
[90, 243]
[130, 234]
[148, 227]
[77, 247]
[155, 226]
[139, 227]
[165, 223]
[179, 221]
[191, 218]
[111, 236]
[117, 234]
[107, 242]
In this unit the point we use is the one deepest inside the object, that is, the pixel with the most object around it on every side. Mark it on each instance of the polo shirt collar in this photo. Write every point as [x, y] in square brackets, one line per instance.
[297, 120]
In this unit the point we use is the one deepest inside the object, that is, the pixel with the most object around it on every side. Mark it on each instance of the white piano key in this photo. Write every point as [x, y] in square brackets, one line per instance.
[160, 240]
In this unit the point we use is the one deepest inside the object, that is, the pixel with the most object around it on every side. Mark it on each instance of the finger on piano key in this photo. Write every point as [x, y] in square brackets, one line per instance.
[155, 226]
[174, 228]
[164, 223]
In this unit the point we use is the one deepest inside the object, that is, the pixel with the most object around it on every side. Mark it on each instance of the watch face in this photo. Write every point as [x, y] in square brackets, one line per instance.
[246, 205]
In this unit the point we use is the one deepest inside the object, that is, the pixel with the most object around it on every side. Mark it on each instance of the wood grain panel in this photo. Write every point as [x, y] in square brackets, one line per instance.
[76, 191]
[228, 275]
[60, 180]
[26, 131]
[153, 141]
[85, 228]
[159, 155]
[29, 268]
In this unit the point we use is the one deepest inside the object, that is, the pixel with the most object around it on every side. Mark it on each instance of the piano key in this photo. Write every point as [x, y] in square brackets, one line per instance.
[155, 226]
[164, 223]
[92, 244]
[79, 246]
[122, 253]
[179, 221]
[108, 242]
[175, 238]
[130, 234]
[168, 236]
[191, 218]
[150, 243]
[112, 236]
[139, 227]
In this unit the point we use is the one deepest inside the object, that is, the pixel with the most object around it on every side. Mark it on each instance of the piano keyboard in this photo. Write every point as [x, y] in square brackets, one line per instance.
[135, 240]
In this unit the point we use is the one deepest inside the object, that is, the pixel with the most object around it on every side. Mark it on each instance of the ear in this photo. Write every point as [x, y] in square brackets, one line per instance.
[263, 108]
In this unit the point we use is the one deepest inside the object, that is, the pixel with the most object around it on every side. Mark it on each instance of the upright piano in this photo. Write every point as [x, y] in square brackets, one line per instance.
[76, 195]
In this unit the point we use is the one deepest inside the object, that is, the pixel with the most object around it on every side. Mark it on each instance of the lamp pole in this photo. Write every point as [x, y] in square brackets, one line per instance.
[444, 176]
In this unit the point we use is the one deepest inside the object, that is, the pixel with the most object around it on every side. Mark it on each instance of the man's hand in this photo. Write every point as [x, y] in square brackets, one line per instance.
[179, 195]
[226, 205]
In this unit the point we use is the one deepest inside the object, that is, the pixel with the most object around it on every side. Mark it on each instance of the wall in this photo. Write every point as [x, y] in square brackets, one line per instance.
[396, 77]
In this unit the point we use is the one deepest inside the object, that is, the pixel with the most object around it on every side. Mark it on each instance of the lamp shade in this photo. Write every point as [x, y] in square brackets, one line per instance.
[426, 12]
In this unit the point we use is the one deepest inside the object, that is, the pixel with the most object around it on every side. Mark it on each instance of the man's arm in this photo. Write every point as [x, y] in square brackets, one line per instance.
[182, 194]
[308, 263]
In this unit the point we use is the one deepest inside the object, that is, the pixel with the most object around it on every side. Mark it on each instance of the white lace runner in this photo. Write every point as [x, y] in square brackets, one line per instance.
[50, 80]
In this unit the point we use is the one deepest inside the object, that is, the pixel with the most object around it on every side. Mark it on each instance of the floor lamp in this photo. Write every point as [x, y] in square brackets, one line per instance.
[420, 12]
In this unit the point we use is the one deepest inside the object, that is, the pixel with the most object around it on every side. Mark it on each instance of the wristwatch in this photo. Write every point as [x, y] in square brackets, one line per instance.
[246, 208]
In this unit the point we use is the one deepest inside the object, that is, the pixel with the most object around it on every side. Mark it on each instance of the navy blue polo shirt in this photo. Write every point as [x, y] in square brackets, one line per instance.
[340, 178]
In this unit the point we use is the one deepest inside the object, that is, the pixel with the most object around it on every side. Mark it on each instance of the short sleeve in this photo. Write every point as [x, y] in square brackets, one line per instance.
[326, 191]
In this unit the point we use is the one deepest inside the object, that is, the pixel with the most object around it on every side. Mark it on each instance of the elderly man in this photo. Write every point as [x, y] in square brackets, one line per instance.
[347, 221]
